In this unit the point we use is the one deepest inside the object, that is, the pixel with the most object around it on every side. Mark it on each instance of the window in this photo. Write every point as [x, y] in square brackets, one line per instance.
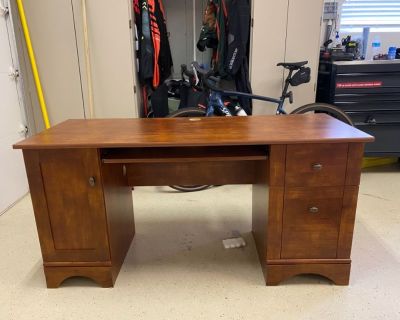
[380, 16]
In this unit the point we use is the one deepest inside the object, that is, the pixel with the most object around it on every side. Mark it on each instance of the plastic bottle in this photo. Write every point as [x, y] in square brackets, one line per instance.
[240, 112]
[337, 43]
[392, 53]
[376, 47]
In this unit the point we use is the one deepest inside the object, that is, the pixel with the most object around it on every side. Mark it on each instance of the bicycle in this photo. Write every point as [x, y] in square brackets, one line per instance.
[216, 105]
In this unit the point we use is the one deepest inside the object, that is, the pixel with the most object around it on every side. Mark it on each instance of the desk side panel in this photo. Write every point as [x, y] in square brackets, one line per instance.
[119, 208]
[268, 195]
[277, 170]
[39, 203]
[260, 203]
[354, 163]
[348, 217]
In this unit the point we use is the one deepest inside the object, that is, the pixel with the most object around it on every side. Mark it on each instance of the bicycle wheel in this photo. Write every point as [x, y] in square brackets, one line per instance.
[190, 188]
[188, 113]
[324, 108]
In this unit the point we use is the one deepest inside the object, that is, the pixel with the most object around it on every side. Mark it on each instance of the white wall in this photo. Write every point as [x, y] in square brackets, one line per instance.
[112, 58]
[13, 181]
[184, 31]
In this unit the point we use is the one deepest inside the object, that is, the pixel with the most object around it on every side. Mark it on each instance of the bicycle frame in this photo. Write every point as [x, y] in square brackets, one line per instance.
[216, 101]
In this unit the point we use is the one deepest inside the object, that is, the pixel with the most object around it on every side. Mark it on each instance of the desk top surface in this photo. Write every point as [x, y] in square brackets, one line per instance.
[180, 132]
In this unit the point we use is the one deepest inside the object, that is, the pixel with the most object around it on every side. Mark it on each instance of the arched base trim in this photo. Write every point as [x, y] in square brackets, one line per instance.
[338, 273]
[55, 276]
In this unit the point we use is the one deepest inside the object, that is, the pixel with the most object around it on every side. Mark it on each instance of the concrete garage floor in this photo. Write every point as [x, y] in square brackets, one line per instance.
[178, 269]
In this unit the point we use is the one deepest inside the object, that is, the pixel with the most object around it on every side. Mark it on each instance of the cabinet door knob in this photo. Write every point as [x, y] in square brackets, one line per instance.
[317, 167]
[92, 181]
[313, 210]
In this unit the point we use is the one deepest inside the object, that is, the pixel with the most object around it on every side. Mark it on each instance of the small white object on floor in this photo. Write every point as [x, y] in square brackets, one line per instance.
[234, 243]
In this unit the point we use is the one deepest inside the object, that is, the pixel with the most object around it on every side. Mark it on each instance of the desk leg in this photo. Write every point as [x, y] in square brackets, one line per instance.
[267, 225]
[268, 198]
[259, 223]
[119, 209]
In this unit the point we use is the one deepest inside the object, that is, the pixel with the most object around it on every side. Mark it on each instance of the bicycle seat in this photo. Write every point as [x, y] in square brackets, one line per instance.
[292, 65]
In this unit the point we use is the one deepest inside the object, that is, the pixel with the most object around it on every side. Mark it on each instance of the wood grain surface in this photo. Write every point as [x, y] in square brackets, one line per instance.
[338, 273]
[213, 131]
[309, 235]
[71, 221]
[301, 159]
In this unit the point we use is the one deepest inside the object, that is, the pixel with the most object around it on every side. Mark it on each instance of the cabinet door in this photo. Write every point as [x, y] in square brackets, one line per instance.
[69, 204]
[268, 42]
[52, 31]
[303, 43]
[284, 31]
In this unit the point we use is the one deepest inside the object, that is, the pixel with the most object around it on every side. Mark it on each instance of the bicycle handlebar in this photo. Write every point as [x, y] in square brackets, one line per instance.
[206, 76]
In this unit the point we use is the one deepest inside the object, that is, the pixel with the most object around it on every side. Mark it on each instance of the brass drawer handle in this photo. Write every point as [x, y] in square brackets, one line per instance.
[317, 167]
[313, 210]
[92, 181]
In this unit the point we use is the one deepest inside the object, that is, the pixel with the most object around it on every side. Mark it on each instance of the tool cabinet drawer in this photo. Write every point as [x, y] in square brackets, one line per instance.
[387, 141]
[316, 165]
[375, 118]
[311, 219]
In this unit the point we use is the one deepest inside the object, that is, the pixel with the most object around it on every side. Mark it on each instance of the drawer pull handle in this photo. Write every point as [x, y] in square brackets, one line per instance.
[313, 210]
[124, 170]
[317, 167]
[92, 181]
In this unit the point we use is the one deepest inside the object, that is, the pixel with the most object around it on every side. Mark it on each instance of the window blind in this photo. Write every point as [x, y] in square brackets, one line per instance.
[383, 15]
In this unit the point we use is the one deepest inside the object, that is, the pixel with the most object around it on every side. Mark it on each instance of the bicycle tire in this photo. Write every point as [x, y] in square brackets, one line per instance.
[187, 113]
[324, 108]
[190, 188]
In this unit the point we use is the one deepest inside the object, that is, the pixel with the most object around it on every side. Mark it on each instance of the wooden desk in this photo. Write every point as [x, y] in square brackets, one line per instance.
[305, 172]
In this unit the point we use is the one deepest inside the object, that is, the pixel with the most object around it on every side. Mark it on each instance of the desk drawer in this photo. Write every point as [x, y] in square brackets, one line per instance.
[311, 219]
[316, 165]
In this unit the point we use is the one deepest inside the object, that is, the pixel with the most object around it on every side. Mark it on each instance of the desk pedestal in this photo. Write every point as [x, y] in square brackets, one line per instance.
[303, 215]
